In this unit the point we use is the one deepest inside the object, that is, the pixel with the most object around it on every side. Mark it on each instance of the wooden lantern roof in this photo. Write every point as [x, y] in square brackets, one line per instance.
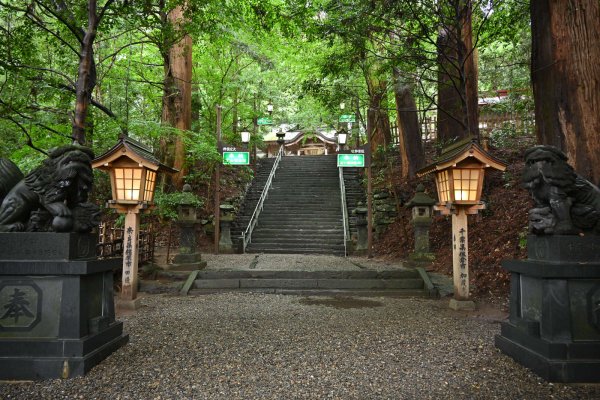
[133, 150]
[466, 151]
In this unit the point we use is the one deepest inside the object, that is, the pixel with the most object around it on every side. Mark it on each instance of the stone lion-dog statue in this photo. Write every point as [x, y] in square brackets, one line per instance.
[53, 197]
[565, 202]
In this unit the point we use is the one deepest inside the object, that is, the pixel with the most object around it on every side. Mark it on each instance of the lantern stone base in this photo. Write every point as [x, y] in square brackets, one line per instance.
[554, 323]
[187, 262]
[57, 316]
[462, 305]
[421, 256]
[129, 304]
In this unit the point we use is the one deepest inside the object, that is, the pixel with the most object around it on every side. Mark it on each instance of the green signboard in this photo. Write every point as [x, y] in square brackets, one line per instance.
[351, 160]
[236, 157]
[348, 118]
[264, 121]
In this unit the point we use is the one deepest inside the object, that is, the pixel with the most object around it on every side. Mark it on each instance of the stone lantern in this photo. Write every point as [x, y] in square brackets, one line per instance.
[422, 206]
[188, 259]
[362, 226]
[227, 217]
[186, 212]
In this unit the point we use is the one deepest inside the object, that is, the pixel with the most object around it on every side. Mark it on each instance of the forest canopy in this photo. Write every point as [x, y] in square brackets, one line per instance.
[87, 71]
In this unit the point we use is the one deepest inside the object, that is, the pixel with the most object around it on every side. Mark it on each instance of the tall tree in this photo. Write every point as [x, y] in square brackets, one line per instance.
[565, 74]
[177, 95]
[457, 72]
[75, 26]
[411, 144]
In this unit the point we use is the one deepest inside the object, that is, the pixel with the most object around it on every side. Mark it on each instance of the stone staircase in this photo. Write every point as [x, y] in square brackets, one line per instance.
[263, 169]
[395, 283]
[302, 213]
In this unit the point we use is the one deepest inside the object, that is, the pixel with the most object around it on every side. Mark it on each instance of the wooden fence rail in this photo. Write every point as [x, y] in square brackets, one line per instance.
[110, 242]
[488, 124]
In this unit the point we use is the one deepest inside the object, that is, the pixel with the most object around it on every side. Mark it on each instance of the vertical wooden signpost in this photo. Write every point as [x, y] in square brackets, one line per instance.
[217, 210]
[460, 254]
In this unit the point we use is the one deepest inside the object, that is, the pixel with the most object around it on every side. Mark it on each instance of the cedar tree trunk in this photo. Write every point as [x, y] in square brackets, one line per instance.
[378, 122]
[177, 97]
[411, 145]
[458, 115]
[565, 73]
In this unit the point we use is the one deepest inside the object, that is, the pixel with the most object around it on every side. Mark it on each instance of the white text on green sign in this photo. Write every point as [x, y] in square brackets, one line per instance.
[351, 160]
[347, 118]
[264, 121]
[236, 157]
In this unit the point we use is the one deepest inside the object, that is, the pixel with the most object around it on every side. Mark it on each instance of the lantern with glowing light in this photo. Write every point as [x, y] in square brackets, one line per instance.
[133, 171]
[459, 173]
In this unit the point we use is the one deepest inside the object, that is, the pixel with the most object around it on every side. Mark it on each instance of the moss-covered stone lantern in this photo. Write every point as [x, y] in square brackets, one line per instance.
[422, 212]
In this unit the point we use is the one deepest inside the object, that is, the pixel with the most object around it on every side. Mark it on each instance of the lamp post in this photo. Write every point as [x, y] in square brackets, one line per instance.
[459, 176]
[342, 138]
[245, 138]
[270, 107]
[133, 171]
[280, 137]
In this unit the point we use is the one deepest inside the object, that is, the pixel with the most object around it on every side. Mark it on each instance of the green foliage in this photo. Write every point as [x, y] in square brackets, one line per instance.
[304, 57]
[504, 135]
[523, 238]
[167, 203]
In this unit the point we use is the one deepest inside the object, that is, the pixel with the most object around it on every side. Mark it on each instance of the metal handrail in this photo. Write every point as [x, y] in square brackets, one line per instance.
[247, 234]
[344, 210]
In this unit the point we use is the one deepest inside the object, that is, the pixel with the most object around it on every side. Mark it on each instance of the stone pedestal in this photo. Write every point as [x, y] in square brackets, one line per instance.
[554, 323]
[188, 259]
[421, 227]
[57, 316]
[225, 243]
[362, 242]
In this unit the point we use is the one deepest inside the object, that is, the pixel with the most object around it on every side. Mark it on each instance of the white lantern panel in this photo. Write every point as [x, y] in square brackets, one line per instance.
[128, 182]
[149, 187]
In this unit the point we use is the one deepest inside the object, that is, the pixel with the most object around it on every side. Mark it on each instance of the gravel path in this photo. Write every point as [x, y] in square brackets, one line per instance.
[255, 346]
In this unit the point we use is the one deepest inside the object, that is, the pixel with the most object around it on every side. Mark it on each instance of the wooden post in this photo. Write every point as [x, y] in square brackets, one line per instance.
[130, 259]
[217, 211]
[460, 259]
[369, 212]
[254, 131]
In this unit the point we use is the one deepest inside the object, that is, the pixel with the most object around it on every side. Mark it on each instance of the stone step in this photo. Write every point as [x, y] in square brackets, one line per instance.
[298, 227]
[279, 234]
[301, 223]
[328, 284]
[297, 242]
[293, 204]
[278, 231]
[320, 216]
[320, 274]
[291, 198]
[403, 293]
[280, 250]
[297, 248]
